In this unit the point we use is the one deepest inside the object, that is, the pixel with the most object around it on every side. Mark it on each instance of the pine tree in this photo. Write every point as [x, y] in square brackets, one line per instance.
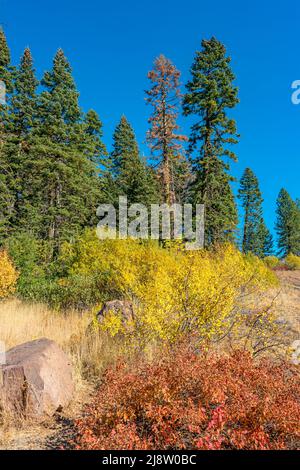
[265, 240]
[94, 148]
[257, 238]
[24, 100]
[287, 224]
[22, 116]
[210, 93]
[165, 142]
[6, 174]
[62, 175]
[251, 198]
[59, 109]
[6, 77]
[6, 70]
[131, 175]
[90, 144]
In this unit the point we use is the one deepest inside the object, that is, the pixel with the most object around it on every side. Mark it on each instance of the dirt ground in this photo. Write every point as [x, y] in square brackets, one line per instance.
[56, 433]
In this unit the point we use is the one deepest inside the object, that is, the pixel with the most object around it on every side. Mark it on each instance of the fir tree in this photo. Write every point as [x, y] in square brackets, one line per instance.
[210, 93]
[93, 133]
[165, 142]
[24, 100]
[6, 173]
[251, 199]
[6, 70]
[59, 109]
[22, 117]
[265, 240]
[62, 186]
[92, 146]
[257, 238]
[287, 224]
[131, 175]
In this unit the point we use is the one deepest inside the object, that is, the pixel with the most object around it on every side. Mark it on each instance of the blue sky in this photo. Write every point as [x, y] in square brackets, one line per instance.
[112, 45]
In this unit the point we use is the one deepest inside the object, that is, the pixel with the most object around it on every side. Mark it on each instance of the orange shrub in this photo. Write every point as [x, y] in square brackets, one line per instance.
[195, 401]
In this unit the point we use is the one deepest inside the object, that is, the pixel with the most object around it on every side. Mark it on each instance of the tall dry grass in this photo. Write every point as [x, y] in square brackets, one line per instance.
[90, 352]
[20, 322]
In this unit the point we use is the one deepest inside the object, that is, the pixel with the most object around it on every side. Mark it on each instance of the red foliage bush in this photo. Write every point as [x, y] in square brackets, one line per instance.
[189, 401]
[281, 267]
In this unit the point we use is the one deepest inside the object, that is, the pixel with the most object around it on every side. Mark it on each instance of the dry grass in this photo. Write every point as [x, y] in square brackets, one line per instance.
[90, 354]
[21, 322]
[288, 301]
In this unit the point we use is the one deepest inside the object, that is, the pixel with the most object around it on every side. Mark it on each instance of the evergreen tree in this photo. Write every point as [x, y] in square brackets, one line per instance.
[90, 144]
[287, 224]
[165, 142]
[265, 240]
[59, 109]
[6, 77]
[210, 92]
[257, 238]
[94, 148]
[6, 70]
[251, 198]
[62, 175]
[6, 174]
[24, 100]
[22, 117]
[131, 175]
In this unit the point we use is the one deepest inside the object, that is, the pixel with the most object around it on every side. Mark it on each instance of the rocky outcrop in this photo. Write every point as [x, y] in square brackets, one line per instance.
[36, 379]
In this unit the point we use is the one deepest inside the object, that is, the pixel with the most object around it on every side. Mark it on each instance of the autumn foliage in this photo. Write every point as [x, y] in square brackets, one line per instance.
[163, 138]
[195, 401]
[8, 275]
[292, 261]
[175, 291]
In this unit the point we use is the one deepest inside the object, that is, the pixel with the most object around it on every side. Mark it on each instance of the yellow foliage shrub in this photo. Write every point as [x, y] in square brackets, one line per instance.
[198, 291]
[292, 261]
[112, 322]
[175, 291]
[8, 275]
[272, 261]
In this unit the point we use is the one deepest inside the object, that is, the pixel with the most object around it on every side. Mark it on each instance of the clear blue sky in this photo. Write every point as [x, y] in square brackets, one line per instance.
[111, 46]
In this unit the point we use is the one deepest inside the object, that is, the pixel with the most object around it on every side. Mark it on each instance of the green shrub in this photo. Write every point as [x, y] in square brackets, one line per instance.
[30, 258]
[75, 291]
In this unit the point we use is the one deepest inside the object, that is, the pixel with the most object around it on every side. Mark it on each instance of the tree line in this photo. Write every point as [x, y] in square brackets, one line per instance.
[56, 170]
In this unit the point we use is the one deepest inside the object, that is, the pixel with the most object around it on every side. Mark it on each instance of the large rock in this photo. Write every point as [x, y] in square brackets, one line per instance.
[36, 379]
